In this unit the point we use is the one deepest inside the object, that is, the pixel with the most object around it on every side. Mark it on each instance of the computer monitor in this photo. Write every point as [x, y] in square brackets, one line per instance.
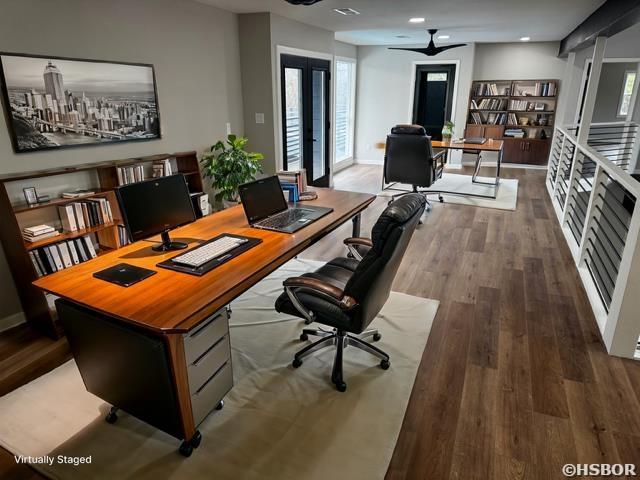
[156, 206]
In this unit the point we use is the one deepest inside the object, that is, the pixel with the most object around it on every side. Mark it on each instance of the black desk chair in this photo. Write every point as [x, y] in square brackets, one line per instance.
[347, 294]
[409, 159]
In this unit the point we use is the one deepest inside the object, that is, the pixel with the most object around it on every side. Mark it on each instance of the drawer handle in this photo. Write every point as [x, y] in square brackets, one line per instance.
[201, 329]
[211, 378]
[197, 360]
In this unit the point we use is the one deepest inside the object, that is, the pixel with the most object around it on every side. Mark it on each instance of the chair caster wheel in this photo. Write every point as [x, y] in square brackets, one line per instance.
[376, 337]
[112, 416]
[186, 449]
[304, 337]
[441, 198]
[197, 438]
[220, 405]
[296, 362]
[308, 322]
[341, 387]
[384, 364]
[389, 203]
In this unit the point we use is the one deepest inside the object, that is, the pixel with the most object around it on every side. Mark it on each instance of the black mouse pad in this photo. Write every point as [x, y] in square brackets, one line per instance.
[124, 274]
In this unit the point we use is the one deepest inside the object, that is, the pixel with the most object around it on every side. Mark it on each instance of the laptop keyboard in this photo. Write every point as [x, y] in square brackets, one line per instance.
[283, 219]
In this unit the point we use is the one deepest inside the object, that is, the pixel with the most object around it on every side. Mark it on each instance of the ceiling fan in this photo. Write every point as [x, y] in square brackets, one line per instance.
[431, 49]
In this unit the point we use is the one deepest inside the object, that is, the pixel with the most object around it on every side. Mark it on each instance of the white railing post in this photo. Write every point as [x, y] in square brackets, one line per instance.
[592, 91]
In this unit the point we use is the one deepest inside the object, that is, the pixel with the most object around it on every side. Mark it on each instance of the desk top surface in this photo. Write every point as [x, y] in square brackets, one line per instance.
[174, 302]
[490, 145]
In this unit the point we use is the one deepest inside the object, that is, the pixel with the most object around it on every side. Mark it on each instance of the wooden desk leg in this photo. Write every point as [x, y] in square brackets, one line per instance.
[181, 383]
[356, 225]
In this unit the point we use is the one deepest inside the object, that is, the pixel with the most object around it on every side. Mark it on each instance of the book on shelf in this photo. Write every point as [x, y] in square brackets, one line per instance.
[64, 254]
[490, 104]
[123, 236]
[78, 193]
[41, 234]
[38, 230]
[130, 174]
[162, 168]
[514, 133]
[545, 89]
[490, 89]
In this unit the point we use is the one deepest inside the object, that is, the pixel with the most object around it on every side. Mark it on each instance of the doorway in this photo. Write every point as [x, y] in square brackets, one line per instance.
[433, 97]
[305, 116]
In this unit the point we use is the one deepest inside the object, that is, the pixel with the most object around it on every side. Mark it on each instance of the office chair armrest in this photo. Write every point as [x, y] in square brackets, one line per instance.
[354, 242]
[325, 289]
[364, 242]
[440, 156]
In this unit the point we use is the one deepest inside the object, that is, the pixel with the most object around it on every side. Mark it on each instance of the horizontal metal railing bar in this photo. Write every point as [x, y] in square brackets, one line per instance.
[614, 265]
[615, 199]
[623, 241]
[606, 303]
[612, 280]
[613, 247]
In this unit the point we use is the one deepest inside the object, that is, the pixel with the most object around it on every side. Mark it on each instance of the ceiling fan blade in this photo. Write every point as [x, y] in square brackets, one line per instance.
[419, 50]
[448, 47]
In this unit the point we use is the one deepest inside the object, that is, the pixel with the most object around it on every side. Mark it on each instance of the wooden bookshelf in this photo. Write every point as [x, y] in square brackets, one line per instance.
[103, 180]
[493, 122]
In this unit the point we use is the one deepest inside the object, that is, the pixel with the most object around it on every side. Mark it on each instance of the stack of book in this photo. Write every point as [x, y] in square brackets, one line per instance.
[39, 232]
[61, 255]
[514, 133]
[78, 193]
[294, 183]
[545, 89]
[123, 236]
[130, 174]
[489, 89]
[85, 214]
[489, 104]
[162, 168]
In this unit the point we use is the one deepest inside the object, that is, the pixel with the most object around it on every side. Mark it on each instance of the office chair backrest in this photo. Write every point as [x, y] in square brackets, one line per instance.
[408, 156]
[370, 284]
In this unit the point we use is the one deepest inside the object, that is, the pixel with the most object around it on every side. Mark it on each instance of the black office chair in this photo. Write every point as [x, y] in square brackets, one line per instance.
[347, 294]
[409, 159]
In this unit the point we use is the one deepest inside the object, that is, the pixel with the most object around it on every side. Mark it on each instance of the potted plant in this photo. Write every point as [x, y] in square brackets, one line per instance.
[447, 130]
[228, 166]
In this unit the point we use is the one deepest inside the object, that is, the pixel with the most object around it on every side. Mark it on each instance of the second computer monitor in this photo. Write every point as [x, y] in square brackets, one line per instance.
[156, 206]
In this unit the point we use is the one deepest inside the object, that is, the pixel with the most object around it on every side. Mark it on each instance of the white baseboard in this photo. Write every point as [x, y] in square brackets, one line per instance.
[368, 161]
[342, 165]
[12, 321]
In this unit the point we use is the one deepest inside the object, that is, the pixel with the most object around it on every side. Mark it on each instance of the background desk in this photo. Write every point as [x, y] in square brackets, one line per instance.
[135, 346]
[489, 146]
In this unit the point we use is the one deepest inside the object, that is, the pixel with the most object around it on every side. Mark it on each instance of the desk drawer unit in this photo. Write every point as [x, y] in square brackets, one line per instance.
[208, 354]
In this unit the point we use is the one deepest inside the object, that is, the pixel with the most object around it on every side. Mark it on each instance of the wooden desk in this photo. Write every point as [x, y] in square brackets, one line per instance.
[490, 145]
[170, 306]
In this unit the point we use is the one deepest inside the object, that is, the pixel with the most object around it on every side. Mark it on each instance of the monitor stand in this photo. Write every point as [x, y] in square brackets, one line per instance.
[167, 244]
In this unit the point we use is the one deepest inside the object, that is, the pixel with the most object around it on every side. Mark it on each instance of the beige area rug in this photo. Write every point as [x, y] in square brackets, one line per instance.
[451, 182]
[277, 423]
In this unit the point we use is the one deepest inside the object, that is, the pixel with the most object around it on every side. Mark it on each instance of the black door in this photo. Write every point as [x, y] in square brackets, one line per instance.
[433, 97]
[305, 116]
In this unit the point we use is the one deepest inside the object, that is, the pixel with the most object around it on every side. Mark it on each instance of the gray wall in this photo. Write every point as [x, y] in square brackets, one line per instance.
[384, 93]
[195, 51]
[260, 35]
[609, 90]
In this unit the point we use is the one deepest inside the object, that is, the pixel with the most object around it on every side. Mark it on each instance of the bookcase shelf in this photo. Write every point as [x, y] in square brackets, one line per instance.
[481, 121]
[99, 177]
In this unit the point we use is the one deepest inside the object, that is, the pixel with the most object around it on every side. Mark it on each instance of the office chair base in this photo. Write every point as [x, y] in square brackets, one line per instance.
[340, 339]
[112, 416]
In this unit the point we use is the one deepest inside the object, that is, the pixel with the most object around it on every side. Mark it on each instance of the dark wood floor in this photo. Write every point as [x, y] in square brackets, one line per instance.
[514, 381]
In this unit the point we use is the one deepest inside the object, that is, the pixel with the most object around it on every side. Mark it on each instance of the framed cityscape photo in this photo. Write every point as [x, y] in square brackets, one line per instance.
[54, 102]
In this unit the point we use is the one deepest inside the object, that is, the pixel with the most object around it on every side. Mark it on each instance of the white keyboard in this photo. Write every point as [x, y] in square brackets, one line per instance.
[209, 251]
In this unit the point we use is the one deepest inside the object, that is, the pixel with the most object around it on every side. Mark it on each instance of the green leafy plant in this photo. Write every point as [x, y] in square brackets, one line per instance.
[228, 166]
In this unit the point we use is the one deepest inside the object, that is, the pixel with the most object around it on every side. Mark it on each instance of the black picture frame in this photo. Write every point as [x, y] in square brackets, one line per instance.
[30, 195]
[4, 88]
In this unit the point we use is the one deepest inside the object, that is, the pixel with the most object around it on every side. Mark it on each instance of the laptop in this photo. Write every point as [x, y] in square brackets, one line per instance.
[265, 207]
[475, 140]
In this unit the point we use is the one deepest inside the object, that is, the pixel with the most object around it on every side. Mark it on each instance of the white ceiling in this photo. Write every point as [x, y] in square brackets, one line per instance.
[382, 21]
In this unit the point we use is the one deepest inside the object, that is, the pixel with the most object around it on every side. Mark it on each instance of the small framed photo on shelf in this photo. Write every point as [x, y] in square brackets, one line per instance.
[30, 195]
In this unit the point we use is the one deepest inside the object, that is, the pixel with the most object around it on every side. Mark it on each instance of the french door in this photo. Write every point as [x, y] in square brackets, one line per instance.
[305, 116]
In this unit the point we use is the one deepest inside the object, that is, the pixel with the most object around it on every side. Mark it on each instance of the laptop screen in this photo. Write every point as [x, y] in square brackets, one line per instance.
[262, 198]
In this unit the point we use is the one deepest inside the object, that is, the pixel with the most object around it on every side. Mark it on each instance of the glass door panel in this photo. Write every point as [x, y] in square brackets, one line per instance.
[319, 122]
[293, 134]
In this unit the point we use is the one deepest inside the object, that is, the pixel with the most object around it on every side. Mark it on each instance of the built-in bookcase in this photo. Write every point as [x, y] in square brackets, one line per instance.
[100, 178]
[520, 112]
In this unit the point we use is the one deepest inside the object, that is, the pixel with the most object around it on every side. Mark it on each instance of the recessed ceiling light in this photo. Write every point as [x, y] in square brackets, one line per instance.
[443, 37]
[416, 20]
[346, 11]
[525, 39]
